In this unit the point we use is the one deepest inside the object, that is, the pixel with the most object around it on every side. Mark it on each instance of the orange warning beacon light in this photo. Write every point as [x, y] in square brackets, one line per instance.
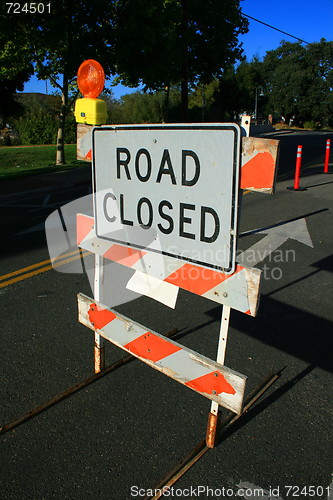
[90, 80]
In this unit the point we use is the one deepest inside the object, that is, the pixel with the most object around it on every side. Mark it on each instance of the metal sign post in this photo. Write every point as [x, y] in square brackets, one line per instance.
[99, 347]
[212, 424]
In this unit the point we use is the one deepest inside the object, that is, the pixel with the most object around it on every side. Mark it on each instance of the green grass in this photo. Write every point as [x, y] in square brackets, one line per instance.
[16, 161]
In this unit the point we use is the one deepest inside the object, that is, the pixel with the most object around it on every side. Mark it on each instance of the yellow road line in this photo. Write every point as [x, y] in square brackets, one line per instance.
[39, 264]
[38, 269]
[58, 262]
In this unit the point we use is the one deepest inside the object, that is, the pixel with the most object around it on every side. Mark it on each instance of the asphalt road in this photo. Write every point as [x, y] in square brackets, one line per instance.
[118, 437]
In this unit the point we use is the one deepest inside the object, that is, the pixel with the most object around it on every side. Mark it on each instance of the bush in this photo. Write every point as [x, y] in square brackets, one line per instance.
[37, 128]
[312, 125]
[42, 128]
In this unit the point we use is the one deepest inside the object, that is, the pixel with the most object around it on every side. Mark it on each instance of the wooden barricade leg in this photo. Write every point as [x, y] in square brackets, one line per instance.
[99, 345]
[213, 417]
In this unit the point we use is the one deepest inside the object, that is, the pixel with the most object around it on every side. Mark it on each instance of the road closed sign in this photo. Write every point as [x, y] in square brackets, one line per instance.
[169, 189]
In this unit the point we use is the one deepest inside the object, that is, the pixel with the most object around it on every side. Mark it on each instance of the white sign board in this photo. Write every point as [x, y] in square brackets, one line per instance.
[169, 189]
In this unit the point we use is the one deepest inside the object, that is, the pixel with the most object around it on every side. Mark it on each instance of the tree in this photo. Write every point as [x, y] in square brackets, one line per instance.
[59, 40]
[250, 79]
[300, 80]
[15, 70]
[160, 43]
[237, 90]
[320, 63]
[287, 78]
[201, 102]
[228, 101]
[140, 108]
[8, 86]
[38, 121]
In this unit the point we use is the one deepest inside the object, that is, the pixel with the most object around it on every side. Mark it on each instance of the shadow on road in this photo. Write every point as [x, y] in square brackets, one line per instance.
[265, 403]
[291, 330]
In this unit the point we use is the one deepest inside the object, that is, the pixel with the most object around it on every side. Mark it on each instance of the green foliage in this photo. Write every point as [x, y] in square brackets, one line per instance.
[8, 105]
[203, 94]
[14, 59]
[238, 88]
[159, 43]
[37, 128]
[300, 80]
[144, 107]
[59, 41]
[186, 41]
[41, 128]
[15, 69]
[287, 77]
[163, 45]
[311, 125]
[71, 127]
[39, 119]
[296, 80]
[32, 102]
[139, 108]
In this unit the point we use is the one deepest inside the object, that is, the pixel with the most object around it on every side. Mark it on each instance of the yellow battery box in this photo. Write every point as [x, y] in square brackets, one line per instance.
[90, 111]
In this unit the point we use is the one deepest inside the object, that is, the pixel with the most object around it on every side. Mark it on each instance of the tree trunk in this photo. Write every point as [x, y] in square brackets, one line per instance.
[166, 103]
[184, 67]
[184, 98]
[2, 119]
[60, 156]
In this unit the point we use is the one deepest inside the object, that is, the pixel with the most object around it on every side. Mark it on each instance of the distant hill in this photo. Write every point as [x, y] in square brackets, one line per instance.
[33, 101]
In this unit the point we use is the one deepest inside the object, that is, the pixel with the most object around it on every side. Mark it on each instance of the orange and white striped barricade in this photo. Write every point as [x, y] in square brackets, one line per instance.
[159, 272]
[212, 380]
[209, 378]
[259, 158]
[161, 282]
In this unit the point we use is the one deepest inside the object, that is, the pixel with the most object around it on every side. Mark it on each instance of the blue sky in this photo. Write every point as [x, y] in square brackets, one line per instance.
[306, 19]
